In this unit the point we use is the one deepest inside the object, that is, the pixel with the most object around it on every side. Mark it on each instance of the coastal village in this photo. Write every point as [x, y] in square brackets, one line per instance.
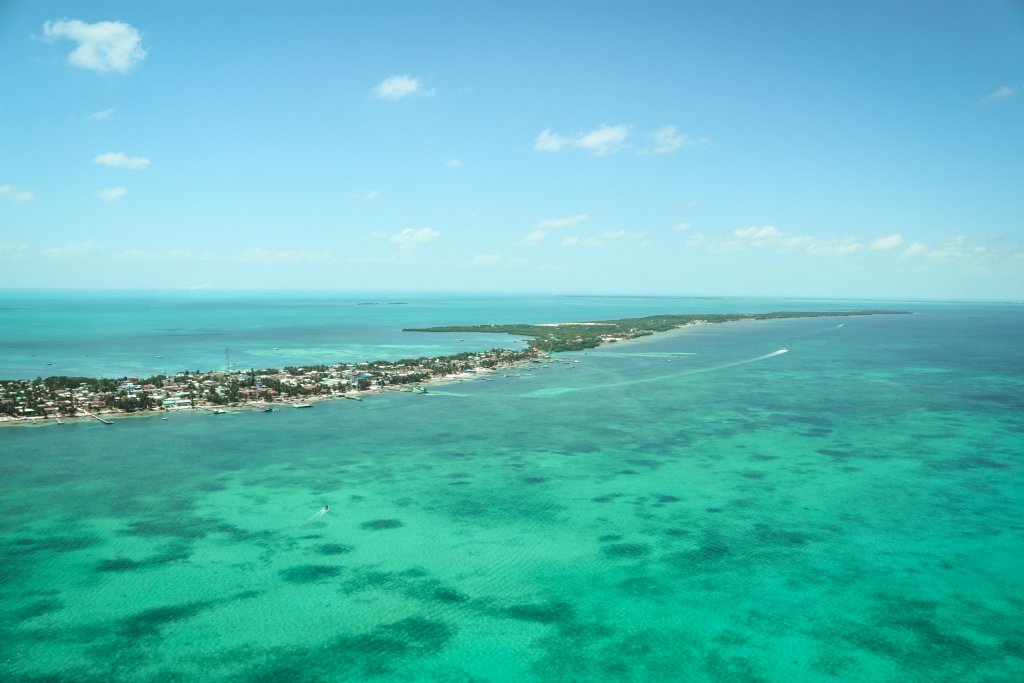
[293, 386]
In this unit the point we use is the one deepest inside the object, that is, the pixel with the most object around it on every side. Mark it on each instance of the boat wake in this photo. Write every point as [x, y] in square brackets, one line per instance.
[555, 391]
[318, 514]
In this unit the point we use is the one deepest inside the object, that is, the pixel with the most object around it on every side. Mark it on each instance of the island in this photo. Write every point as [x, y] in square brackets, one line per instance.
[56, 397]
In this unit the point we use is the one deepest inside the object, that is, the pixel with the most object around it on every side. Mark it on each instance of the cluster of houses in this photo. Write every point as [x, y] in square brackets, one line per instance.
[56, 397]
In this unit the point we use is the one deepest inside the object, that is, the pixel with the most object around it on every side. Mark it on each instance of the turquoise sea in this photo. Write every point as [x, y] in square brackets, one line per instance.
[682, 507]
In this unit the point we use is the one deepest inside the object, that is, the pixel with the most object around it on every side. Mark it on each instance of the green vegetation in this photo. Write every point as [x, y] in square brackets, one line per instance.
[578, 336]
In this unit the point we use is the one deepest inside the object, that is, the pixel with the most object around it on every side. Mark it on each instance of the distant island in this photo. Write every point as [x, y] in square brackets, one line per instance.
[576, 336]
[56, 397]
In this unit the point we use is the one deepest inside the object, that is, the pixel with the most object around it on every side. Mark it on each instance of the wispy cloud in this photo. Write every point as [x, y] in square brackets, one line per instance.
[121, 160]
[668, 139]
[601, 141]
[397, 87]
[101, 115]
[485, 260]
[533, 237]
[770, 237]
[967, 251]
[70, 250]
[103, 46]
[249, 255]
[998, 95]
[605, 238]
[13, 251]
[887, 243]
[289, 256]
[15, 194]
[682, 227]
[567, 222]
[112, 194]
[368, 196]
[453, 163]
[547, 141]
[606, 139]
[410, 237]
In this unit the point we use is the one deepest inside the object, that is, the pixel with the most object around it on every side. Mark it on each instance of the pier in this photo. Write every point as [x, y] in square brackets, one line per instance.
[97, 417]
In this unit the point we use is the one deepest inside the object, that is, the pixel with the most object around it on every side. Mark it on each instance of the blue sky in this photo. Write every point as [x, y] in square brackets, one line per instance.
[818, 149]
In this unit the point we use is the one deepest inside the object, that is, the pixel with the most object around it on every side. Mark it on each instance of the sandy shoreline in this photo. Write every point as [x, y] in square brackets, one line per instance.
[357, 395]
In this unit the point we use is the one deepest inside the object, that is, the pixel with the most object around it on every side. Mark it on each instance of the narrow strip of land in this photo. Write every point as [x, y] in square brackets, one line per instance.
[576, 336]
[88, 397]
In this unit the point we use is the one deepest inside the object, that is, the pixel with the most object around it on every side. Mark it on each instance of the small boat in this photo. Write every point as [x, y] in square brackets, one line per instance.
[302, 405]
[266, 409]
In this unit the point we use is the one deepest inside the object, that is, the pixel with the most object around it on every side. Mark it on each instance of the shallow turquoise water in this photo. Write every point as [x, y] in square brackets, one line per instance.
[852, 510]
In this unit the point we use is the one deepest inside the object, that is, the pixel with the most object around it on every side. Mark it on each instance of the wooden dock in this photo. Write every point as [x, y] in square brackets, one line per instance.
[97, 417]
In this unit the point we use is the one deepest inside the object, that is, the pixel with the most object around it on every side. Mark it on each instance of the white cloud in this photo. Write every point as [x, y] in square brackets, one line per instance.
[667, 139]
[998, 95]
[69, 250]
[837, 245]
[547, 141]
[13, 251]
[368, 196]
[258, 255]
[453, 163]
[682, 227]
[567, 222]
[112, 194]
[103, 46]
[602, 239]
[601, 141]
[410, 237]
[250, 255]
[916, 249]
[770, 237]
[122, 160]
[696, 239]
[887, 243]
[607, 139]
[16, 195]
[485, 260]
[101, 115]
[397, 87]
[534, 237]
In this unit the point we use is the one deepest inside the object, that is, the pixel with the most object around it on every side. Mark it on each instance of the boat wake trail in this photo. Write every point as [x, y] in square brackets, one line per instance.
[318, 514]
[555, 391]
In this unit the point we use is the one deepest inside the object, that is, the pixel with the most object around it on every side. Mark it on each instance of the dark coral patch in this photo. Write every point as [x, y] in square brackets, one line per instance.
[448, 596]
[309, 573]
[606, 498]
[334, 549]
[534, 480]
[378, 524]
[38, 609]
[667, 499]
[641, 586]
[549, 613]
[55, 544]
[176, 553]
[149, 622]
[627, 550]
